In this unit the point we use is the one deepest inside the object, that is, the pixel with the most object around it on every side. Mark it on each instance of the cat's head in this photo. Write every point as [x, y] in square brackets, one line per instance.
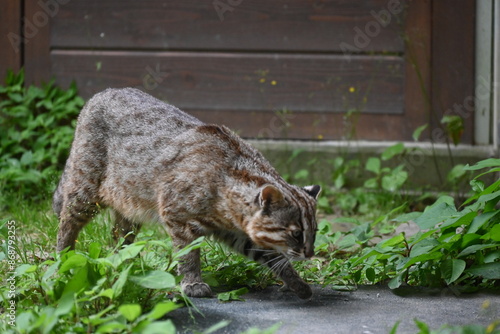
[286, 220]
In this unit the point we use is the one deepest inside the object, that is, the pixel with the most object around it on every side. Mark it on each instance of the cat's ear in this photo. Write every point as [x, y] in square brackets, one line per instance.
[270, 195]
[313, 191]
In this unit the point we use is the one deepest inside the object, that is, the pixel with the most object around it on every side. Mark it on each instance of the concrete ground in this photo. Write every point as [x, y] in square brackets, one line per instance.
[369, 309]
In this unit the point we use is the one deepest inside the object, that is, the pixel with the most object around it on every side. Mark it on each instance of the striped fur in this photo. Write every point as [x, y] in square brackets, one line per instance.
[148, 161]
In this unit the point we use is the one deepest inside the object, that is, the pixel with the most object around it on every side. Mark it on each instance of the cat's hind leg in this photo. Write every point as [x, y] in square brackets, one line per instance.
[75, 213]
[124, 228]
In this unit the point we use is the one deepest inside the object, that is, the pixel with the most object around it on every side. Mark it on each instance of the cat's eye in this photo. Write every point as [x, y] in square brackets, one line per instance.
[296, 234]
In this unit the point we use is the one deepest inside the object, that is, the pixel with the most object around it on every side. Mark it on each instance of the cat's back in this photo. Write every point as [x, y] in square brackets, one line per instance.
[129, 112]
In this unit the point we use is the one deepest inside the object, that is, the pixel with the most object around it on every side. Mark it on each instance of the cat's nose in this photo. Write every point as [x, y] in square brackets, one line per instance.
[309, 252]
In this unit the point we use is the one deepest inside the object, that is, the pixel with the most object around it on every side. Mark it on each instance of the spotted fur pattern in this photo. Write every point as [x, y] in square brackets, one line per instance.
[149, 161]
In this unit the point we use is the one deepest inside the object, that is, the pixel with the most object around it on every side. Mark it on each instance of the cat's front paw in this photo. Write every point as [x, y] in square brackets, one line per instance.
[301, 289]
[197, 290]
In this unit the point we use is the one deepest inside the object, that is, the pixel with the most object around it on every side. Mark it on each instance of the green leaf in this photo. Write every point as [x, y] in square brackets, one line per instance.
[493, 234]
[78, 281]
[434, 215]
[487, 163]
[370, 274]
[232, 295]
[395, 180]
[423, 258]
[474, 248]
[94, 250]
[120, 282]
[392, 151]
[396, 240]
[72, 262]
[160, 327]
[373, 165]
[396, 282]
[451, 270]
[128, 252]
[154, 279]
[161, 309]
[456, 173]
[488, 270]
[130, 311]
[480, 220]
[424, 329]
[347, 241]
[65, 304]
[27, 158]
[418, 131]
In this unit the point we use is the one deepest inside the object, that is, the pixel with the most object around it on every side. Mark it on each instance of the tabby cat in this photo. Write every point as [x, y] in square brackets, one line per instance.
[149, 161]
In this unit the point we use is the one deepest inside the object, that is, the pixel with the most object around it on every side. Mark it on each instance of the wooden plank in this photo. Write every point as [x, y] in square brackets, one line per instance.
[37, 41]
[259, 25]
[418, 76]
[453, 63]
[235, 81]
[10, 36]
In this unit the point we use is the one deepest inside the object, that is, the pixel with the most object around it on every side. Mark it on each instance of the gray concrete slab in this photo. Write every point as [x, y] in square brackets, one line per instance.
[369, 309]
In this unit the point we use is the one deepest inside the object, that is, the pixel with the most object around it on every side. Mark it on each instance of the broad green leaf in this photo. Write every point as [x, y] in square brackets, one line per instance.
[154, 279]
[78, 281]
[393, 150]
[232, 295]
[370, 274]
[396, 282]
[408, 216]
[493, 234]
[451, 270]
[396, 240]
[484, 164]
[72, 262]
[418, 131]
[424, 247]
[130, 311]
[455, 173]
[347, 241]
[474, 248]
[423, 258]
[128, 252]
[395, 180]
[465, 219]
[120, 282]
[434, 215]
[373, 165]
[160, 327]
[161, 309]
[94, 250]
[488, 270]
[480, 220]
[112, 327]
[371, 183]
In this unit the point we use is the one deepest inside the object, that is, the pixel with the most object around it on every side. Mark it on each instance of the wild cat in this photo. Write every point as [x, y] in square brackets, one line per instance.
[149, 161]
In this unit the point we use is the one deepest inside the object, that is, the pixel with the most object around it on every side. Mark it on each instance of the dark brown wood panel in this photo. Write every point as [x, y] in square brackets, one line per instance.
[278, 25]
[10, 36]
[308, 126]
[453, 63]
[254, 82]
[37, 41]
[417, 95]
